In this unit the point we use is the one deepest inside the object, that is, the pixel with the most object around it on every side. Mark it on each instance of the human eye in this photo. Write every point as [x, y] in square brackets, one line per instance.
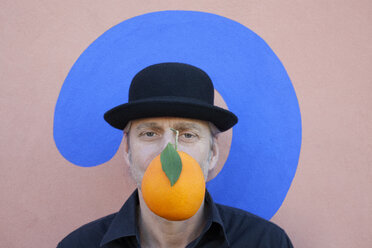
[148, 134]
[188, 136]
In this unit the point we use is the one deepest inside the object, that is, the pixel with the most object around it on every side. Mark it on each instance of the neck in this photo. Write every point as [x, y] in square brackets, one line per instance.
[156, 231]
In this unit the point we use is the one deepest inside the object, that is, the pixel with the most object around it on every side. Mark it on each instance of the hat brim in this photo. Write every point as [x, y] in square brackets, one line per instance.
[119, 116]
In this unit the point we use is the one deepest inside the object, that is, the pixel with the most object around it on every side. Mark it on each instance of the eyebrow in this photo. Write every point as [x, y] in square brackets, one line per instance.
[186, 126]
[178, 126]
[148, 125]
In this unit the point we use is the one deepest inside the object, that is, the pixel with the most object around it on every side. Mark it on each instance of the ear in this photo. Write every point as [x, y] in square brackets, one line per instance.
[213, 159]
[126, 150]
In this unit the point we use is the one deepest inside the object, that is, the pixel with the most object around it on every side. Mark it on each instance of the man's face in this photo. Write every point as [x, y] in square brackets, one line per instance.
[148, 137]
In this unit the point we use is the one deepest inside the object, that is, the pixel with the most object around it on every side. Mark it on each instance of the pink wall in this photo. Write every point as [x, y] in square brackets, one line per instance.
[325, 47]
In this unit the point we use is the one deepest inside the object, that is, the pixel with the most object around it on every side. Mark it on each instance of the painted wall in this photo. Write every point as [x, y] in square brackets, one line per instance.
[324, 46]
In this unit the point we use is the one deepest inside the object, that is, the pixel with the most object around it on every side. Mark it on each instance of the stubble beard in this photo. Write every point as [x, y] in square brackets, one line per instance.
[136, 174]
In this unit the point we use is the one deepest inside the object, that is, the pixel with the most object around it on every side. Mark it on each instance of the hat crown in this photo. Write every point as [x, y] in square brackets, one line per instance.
[174, 90]
[172, 80]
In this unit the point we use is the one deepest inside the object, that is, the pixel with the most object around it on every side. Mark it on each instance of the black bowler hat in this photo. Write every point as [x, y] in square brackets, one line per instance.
[171, 89]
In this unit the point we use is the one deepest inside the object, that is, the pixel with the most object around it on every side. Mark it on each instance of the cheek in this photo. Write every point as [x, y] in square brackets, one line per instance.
[201, 156]
[199, 153]
[143, 155]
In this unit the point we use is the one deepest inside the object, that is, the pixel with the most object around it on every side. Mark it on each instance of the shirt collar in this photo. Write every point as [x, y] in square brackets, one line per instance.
[124, 223]
[215, 217]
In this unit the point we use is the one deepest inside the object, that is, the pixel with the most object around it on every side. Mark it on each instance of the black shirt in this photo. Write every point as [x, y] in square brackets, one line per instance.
[226, 227]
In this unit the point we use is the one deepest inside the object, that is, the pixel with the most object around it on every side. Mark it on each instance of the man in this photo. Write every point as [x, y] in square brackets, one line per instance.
[163, 98]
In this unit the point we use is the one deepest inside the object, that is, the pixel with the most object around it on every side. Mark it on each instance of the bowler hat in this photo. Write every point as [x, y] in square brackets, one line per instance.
[171, 89]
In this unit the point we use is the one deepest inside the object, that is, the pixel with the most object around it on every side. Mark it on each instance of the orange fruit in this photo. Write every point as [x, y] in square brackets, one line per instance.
[177, 202]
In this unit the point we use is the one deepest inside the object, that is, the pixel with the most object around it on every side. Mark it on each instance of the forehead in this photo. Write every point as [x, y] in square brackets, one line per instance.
[174, 122]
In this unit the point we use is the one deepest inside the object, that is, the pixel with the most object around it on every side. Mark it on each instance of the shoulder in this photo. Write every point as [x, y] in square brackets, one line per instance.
[242, 227]
[237, 217]
[88, 235]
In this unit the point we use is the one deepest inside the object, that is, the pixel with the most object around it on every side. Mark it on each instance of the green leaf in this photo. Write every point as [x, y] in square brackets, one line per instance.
[171, 163]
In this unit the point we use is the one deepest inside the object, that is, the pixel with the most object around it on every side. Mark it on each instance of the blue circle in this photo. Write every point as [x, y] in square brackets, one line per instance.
[267, 139]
